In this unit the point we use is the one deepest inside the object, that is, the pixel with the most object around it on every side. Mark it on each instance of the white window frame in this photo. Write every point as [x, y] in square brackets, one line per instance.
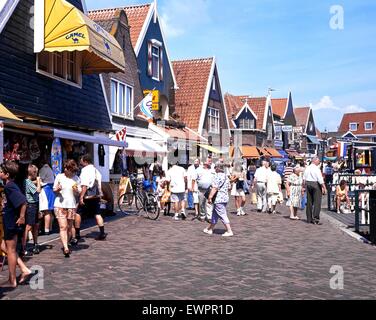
[243, 122]
[152, 61]
[214, 117]
[353, 124]
[50, 72]
[214, 88]
[368, 123]
[117, 113]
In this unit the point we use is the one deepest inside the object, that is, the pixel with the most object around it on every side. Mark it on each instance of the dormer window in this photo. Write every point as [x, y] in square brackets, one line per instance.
[246, 124]
[368, 126]
[353, 126]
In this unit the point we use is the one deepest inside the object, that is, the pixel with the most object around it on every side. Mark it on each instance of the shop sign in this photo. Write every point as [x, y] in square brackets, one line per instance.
[121, 134]
[278, 128]
[278, 143]
[155, 99]
[298, 129]
[287, 128]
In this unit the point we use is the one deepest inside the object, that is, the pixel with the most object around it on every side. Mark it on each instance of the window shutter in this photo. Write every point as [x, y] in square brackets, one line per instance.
[161, 64]
[150, 60]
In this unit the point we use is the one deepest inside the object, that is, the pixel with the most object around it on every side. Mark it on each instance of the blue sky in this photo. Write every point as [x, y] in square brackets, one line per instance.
[283, 44]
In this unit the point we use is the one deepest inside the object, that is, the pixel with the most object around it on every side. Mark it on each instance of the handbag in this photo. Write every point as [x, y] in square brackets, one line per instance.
[93, 192]
[166, 195]
[208, 191]
[239, 184]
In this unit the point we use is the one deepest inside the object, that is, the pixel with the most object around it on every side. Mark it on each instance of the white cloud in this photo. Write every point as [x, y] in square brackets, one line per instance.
[325, 103]
[177, 17]
[354, 108]
[329, 115]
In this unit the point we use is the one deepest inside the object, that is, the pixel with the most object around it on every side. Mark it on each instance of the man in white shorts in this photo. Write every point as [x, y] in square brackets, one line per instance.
[177, 178]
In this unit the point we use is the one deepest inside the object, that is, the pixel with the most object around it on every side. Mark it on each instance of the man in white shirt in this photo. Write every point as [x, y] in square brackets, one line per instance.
[315, 186]
[259, 182]
[90, 179]
[193, 174]
[273, 188]
[177, 178]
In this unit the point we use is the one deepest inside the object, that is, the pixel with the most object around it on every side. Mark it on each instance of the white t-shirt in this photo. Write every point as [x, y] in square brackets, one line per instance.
[273, 181]
[261, 174]
[205, 178]
[176, 177]
[66, 198]
[88, 176]
[193, 174]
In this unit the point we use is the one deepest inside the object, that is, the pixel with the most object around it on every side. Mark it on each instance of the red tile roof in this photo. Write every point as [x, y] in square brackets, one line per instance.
[279, 107]
[192, 78]
[235, 103]
[136, 18]
[301, 116]
[360, 118]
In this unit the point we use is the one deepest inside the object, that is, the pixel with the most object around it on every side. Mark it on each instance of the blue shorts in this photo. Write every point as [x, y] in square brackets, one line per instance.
[31, 217]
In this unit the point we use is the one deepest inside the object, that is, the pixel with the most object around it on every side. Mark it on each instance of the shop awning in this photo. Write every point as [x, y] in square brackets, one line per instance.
[6, 114]
[249, 152]
[313, 139]
[144, 145]
[294, 154]
[67, 29]
[273, 152]
[87, 138]
[210, 148]
[283, 153]
[263, 152]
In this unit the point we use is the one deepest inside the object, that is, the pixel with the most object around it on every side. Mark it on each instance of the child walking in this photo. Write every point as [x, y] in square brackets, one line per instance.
[32, 190]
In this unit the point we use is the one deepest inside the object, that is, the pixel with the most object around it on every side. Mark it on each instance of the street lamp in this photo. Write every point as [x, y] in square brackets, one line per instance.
[324, 138]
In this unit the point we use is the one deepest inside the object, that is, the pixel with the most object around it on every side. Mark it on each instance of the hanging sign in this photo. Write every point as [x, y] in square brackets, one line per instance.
[56, 157]
[155, 99]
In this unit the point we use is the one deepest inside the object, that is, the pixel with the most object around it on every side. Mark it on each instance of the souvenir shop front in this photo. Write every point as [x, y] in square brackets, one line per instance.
[28, 143]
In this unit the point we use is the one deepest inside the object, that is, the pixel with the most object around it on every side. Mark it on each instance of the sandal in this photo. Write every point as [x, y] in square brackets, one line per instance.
[66, 252]
[25, 279]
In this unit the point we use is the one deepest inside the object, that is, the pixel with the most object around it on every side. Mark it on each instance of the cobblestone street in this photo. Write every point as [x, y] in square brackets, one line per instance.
[270, 257]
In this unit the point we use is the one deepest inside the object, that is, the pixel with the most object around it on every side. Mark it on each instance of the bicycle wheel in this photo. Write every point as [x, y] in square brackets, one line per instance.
[126, 202]
[152, 207]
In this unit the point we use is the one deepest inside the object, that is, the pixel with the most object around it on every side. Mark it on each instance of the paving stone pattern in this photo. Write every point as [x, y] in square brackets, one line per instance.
[270, 257]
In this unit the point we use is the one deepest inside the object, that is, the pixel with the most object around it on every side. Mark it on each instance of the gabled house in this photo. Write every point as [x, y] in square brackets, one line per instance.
[252, 118]
[361, 124]
[306, 133]
[123, 93]
[199, 102]
[50, 80]
[284, 122]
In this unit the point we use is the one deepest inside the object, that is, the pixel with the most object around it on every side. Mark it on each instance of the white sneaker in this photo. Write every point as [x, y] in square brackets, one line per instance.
[207, 231]
[227, 234]
[242, 212]
[238, 213]
[177, 218]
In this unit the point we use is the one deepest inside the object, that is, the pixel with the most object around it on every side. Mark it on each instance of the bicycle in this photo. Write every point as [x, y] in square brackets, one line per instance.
[138, 199]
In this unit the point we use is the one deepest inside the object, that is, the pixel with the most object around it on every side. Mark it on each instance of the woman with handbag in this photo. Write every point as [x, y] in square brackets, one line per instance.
[238, 179]
[67, 188]
[218, 196]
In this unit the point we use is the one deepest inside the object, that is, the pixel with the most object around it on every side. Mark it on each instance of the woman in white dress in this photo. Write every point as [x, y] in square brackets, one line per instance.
[67, 188]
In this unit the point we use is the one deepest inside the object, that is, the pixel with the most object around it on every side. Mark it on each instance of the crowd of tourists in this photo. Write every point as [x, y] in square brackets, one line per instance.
[39, 198]
[205, 188]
